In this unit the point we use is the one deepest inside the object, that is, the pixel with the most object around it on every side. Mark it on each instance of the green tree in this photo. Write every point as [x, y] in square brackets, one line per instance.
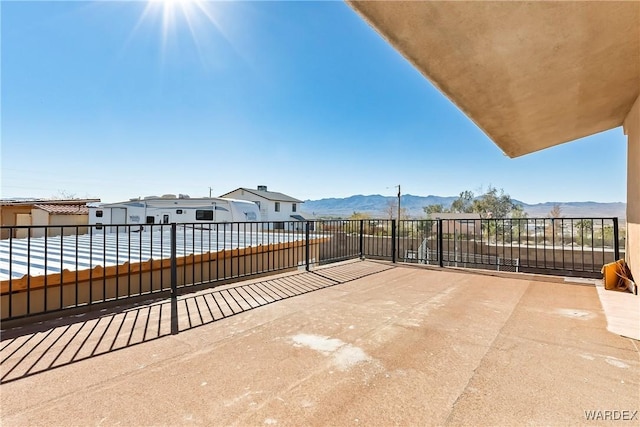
[433, 209]
[584, 231]
[404, 214]
[605, 235]
[555, 214]
[518, 212]
[391, 209]
[354, 226]
[359, 215]
[584, 226]
[64, 195]
[464, 203]
[493, 204]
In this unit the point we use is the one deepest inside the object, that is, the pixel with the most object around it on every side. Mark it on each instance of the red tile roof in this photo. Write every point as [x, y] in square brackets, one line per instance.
[63, 209]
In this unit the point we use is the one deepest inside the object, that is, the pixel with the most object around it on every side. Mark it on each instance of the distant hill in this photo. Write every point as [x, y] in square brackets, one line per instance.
[377, 206]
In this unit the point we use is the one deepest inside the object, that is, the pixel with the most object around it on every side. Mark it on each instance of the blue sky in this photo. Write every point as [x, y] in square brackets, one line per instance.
[124, 99]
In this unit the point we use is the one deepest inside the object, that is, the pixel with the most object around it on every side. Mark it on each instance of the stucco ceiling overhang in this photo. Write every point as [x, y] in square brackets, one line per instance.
[531, 75]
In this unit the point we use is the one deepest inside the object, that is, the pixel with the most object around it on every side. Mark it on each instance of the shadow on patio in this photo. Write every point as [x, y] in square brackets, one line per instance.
[33, 349]
[391, 345]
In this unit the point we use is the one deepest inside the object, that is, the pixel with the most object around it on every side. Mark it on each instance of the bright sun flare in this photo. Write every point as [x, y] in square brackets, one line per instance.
[196, 14]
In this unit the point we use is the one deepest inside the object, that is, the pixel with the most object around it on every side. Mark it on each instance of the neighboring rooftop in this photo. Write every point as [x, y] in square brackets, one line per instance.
[261, 191]
[63, 209]
[48, 202]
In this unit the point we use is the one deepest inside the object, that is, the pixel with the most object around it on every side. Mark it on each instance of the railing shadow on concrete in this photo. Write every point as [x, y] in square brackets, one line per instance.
[37, 348]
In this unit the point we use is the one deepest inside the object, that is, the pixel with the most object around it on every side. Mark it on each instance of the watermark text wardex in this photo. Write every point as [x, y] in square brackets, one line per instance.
[614, 415]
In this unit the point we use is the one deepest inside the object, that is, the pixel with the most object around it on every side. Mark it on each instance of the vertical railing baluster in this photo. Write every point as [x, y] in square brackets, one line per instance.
[46, 269]
[174, 281]
[219, 253]
[440, 243]
[224, 248]
[544, 244]
[104, 263]
[117, 261]
[77, 267]
[128, 231]
[28, 271]
[393, 239]
[90, 264]
[593, 260]
[46, 231]
[11, 231]
[616, 240]
[572, 238]
[140, 259]
[306, 245]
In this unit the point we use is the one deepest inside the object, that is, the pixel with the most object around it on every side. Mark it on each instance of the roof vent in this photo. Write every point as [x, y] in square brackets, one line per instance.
[262, 188]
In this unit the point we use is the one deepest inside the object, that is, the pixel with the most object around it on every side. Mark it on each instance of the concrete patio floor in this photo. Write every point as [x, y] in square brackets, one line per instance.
[360, 343]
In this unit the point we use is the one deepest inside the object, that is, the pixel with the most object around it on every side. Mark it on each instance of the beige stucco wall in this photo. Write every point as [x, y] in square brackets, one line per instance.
[68, 220]
[22, 219]
[42, 217]
[9, 216]
[39, 217]
[632, 130]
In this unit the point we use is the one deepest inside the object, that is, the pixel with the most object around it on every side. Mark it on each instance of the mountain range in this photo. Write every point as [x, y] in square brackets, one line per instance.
[378, 206]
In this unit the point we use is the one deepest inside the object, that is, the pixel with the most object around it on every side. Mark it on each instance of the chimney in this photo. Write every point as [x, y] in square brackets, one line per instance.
[262, 188]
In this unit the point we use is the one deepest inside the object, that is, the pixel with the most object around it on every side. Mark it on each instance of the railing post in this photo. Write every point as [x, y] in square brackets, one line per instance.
[306, 245]
[616, 240]
[174, 282]
[393, 240]
[361, 239]
[440, 243]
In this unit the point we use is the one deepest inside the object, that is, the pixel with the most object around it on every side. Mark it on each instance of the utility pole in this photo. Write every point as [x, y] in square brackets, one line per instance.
[210, 191]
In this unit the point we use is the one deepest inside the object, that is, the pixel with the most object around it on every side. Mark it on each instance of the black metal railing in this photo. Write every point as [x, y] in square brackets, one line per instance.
[562, 246]
[50, 268]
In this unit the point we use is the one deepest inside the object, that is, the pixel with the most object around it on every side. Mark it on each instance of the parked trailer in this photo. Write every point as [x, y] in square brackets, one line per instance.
[169, 208]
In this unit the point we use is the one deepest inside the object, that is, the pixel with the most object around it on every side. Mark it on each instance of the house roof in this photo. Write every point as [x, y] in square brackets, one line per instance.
[530, 74]
[60, 209]
[68, 202]
[269, 195]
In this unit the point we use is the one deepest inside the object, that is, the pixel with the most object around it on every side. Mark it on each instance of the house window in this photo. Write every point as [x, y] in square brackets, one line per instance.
[151, 220]
[99, 214]
[277, 206]
[204, 215]
[179, 211]
[278, 225]
[294, 208]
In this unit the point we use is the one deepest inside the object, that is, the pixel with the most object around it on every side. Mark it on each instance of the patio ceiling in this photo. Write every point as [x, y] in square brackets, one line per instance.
[531, 75]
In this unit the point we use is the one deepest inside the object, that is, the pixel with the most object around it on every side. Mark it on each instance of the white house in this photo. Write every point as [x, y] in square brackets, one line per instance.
[282, 210]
